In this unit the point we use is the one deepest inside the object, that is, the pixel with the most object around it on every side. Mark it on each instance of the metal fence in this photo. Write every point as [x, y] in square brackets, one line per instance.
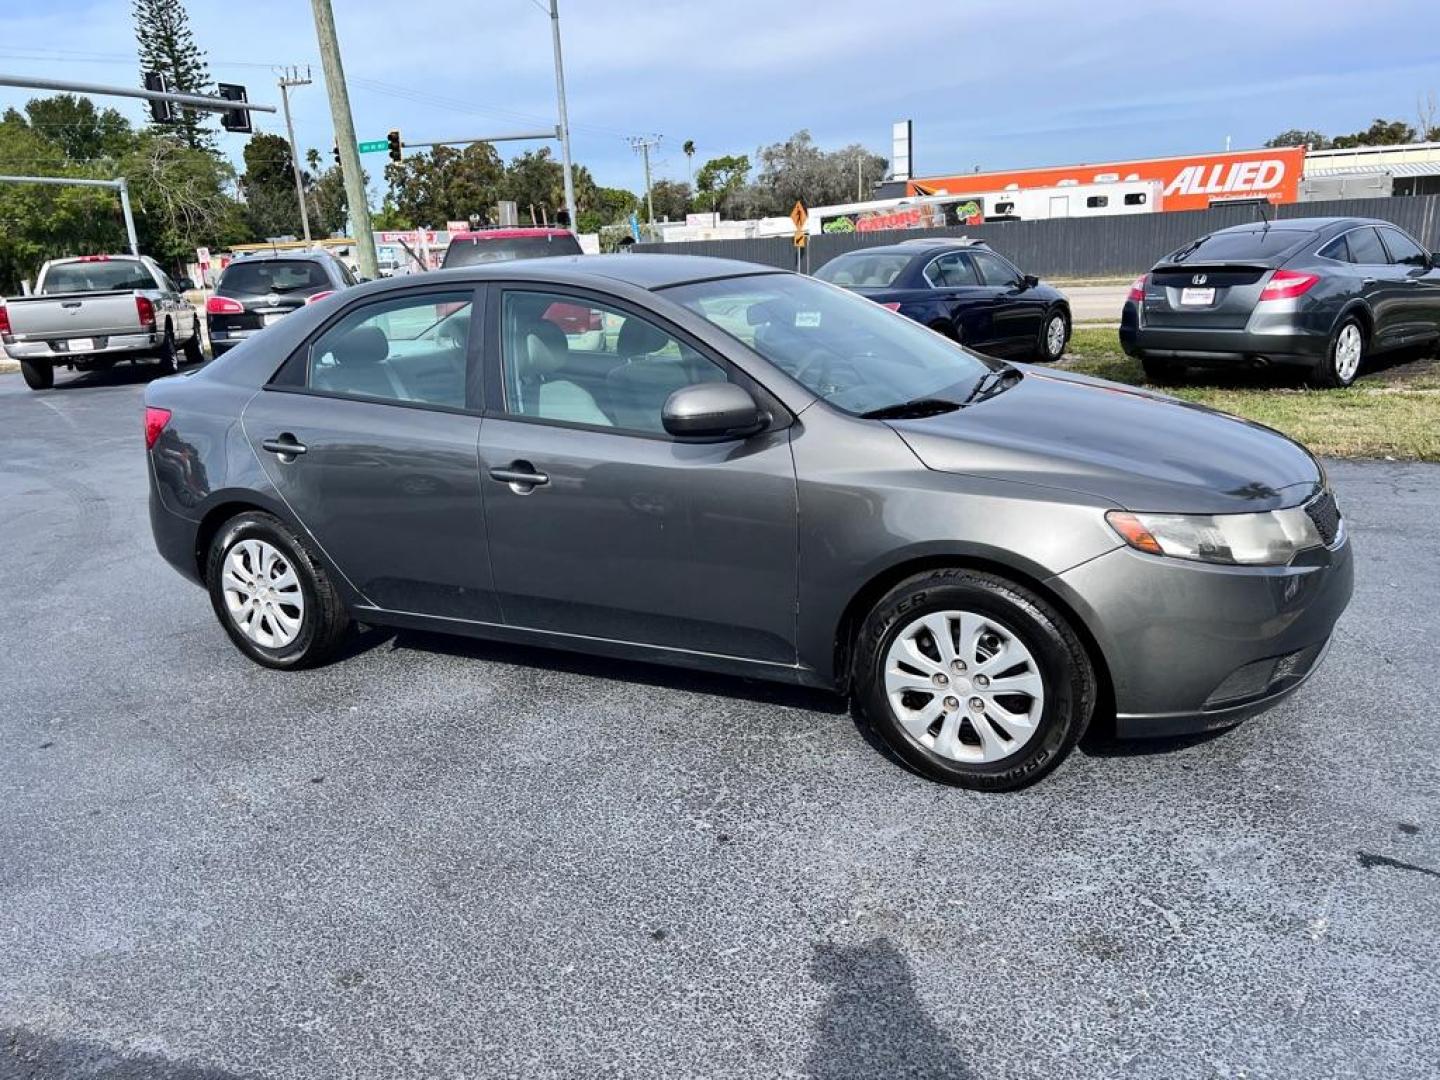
[1080, 247]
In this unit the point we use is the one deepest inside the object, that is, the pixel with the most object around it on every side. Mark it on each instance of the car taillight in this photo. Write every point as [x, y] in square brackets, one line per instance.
[94, 258]
[4, 319]
[1287, 284]
[891, 305]
[223, 305]
[317, 297]
[1137, 288]
[146, 310]
[155, 421]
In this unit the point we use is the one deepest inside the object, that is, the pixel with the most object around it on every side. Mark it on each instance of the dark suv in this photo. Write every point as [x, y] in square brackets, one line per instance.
[257, 290]
[963, 290]
[502, 245]
[1317, 293]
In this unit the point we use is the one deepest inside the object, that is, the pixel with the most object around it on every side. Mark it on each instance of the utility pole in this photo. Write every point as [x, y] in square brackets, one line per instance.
[642, 145]
[350, 169]
[564, 120]
[288, 78]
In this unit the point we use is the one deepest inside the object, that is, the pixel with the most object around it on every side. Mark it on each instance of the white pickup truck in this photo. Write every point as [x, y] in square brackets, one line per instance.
[92, 311]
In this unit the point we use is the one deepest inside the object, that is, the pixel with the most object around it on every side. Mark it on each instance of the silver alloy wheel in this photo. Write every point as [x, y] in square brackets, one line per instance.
[1055, 336]
[1349, 347]
[964, 686]
[262, 593]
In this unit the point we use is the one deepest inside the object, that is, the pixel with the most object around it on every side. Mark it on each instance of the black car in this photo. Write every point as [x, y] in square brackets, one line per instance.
[1317, 293]
[257, 290]
[963, 290]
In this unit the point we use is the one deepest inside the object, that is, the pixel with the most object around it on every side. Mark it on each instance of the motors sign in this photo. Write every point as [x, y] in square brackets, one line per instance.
[1187, 183]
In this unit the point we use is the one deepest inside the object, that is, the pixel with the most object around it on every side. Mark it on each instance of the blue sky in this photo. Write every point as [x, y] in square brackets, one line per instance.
[987, 84]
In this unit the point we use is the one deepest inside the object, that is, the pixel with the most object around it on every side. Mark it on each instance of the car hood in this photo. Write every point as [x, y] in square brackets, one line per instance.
[1139, 450]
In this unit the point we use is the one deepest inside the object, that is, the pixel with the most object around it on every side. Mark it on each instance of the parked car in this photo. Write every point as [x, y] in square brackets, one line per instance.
[93, 311]
[759, 474]
[963, 290]
[256, 291]
[501, 245]
[1322, 294]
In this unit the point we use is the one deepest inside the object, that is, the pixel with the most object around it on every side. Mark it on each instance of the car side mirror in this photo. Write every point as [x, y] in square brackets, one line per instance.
[1031, 281]
[712, 410]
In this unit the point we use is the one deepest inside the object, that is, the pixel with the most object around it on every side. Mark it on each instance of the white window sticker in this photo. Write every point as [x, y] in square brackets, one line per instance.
[807, 318]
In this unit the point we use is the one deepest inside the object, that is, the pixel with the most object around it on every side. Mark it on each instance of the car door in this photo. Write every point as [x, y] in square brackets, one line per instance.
[966, 304]
[1420, 307]
[600, 524]
[1382, 285]
[368, 432]
[1016, 309]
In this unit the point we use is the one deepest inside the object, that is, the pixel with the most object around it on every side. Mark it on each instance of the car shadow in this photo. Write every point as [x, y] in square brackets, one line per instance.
[30, 1054]
[1386, 367]
[123, 374]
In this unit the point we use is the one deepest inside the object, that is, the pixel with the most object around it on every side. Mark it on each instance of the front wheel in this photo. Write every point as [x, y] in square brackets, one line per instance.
[973, 680]
[271, 596]
[1054, 333]
[39, 374]
[1343, 357]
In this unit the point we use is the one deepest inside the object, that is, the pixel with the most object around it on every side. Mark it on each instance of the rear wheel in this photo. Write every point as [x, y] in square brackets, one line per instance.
[271, 596]
[1162, 372]
[973, 680]
[1343, 357]
[39, 374]
[1054, 333]
[194, 350]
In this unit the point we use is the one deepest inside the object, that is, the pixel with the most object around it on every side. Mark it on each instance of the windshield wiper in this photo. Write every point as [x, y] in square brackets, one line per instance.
[908, 410]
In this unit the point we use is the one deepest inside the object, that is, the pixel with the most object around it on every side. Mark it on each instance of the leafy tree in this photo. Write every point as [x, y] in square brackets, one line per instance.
[797, 169]
[268, 186]
[1380, 133]
[180, 199]
[447, 184]
[672, 199]
[536, 180]
[1298, 137]
[162, 28]
[82, 132]
[611, 206]
[719, 179]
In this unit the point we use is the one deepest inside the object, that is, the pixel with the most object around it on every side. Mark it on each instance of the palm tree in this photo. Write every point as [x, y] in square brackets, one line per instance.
[689, 151]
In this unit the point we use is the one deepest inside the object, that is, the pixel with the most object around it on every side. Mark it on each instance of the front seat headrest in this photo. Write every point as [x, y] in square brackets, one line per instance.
[640, 338]
[363, 345]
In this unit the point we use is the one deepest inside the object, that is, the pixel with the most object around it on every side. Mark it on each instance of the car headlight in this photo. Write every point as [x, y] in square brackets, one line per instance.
[1267, 539]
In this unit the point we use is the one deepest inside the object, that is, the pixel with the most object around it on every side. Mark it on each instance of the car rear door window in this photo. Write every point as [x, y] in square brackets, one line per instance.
[410, 350]
[951, 271]
[1337, 249]
[273, 276]
[865, 269]
[1403, 250]
[572, 360]
[993, 269]
[1365, 247]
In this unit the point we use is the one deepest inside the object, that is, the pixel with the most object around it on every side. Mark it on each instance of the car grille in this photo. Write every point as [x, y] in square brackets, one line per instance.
[1326, 516]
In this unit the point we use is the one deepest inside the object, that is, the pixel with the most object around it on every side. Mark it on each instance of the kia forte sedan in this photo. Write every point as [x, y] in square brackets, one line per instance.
[752, 472]
[1318, 294]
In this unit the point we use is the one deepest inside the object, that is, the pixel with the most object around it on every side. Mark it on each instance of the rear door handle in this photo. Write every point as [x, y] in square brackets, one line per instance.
[520, 475]
[1367, 281]
[286, 445]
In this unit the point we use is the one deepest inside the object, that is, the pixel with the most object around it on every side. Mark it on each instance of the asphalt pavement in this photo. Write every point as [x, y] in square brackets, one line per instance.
[440, 858]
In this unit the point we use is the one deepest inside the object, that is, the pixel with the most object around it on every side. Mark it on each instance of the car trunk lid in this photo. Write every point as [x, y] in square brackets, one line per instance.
[1213, 295]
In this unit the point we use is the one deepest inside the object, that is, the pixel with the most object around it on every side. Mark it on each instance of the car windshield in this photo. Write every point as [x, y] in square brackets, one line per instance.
[97, 275]
[1261, 244]
[272, 276]
[864, 269]
[471, 252]
[848, 350]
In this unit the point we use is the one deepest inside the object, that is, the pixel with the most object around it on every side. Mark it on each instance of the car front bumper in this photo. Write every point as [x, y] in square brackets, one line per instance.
[1194, 646]
[1278, 337]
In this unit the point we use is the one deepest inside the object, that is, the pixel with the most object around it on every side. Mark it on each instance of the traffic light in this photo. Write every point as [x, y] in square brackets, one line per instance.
[335, 152]
[235, 119]
[397, 152]
[162, 112]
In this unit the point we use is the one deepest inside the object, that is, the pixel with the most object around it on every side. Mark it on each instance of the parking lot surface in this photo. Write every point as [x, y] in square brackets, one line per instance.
[440, 858]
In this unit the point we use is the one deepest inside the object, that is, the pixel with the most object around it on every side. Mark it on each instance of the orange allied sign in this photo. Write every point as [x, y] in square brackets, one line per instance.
[1187, 183]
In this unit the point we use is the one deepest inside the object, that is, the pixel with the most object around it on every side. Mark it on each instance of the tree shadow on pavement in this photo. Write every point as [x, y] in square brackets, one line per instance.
[874, 1026]
[29, 1054]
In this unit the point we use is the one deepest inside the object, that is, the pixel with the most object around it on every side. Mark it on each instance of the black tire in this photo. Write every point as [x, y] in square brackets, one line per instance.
[39, 374]
[194, 348]
[324, 621]
[1162, 372]
[1327, 374]
[1044, 352]
[1068, 679]
[166, 353]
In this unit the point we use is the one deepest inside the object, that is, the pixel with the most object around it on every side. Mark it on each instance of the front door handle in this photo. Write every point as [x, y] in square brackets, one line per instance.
[286, 445]
[1367, 281]
[520, 475]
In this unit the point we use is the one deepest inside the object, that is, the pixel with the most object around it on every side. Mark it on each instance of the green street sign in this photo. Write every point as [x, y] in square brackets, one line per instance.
[375, 146]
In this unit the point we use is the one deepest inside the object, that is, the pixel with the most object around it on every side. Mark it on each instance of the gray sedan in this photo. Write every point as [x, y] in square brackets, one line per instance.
[709, 464]
[1321, 294]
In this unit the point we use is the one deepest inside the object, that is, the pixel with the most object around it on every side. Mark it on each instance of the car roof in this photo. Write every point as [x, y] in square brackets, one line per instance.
[272, 256]
[645, 271]
[1304, 224]
[505, 234]
[919, 247]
